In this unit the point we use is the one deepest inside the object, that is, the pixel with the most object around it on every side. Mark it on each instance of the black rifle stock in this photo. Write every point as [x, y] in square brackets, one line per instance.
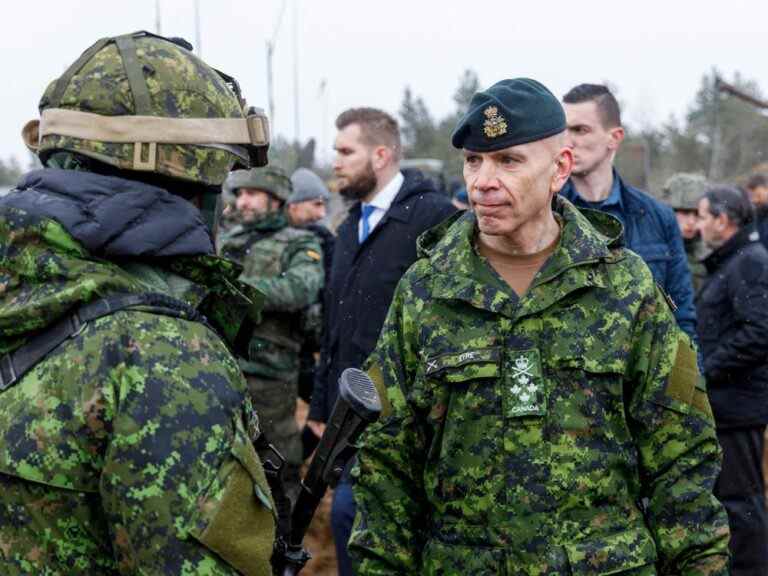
[357, 406]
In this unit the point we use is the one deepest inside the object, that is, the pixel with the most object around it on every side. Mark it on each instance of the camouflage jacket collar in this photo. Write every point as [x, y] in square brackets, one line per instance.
[588, 238]
[271, 221]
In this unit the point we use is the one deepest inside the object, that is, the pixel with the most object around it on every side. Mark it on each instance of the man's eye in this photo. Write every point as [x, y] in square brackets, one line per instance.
[472, 160]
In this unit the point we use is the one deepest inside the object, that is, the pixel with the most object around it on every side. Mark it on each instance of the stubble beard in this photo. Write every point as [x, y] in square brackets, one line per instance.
[361, 185]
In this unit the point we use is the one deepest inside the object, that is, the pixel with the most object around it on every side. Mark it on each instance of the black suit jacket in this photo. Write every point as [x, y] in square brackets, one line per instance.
[363, 280]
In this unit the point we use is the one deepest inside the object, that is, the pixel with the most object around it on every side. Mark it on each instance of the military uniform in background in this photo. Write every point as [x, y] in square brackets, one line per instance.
[308, 187]
[285, 264]
[682, 192]
[523, 435]
[125, 423]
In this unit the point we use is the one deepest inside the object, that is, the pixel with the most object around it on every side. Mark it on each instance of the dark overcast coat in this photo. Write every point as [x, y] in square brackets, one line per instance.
[732, 307]
[363, 279]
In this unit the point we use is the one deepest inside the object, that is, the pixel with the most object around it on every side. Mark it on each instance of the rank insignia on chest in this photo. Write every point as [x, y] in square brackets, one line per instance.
[495, 125]
[524, 393]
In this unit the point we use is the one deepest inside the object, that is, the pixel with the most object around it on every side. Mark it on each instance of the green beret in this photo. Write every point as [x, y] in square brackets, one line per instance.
[509, 113]
[271, 180]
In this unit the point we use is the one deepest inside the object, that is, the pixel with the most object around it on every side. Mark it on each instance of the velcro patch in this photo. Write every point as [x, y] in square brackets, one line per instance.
[442, 362]
[685, 376]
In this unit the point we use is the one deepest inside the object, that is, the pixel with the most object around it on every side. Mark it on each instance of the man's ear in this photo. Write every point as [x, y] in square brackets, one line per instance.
[616, 136]
[381, 157]
[563, 168]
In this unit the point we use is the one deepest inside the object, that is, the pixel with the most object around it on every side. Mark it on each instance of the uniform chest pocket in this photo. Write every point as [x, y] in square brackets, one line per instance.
[587, 394]
[466, 380]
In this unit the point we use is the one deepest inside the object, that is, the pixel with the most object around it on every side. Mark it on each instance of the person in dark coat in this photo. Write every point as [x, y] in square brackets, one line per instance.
[757, 189]
[733, 332]
[375, 245]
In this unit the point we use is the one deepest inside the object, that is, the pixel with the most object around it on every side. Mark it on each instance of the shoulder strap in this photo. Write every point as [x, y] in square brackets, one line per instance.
[257, 236]
[17, 363]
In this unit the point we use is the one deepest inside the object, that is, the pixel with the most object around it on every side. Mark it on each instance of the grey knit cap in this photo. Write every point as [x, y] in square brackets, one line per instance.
[307, 186]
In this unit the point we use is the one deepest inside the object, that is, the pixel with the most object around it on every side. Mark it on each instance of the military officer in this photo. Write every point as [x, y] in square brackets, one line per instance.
[682, 192]
[542, 412]
[125, 422]
[285, 264]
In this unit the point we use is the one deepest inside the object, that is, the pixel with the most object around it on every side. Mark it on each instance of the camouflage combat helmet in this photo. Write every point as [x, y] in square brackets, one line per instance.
[272, 180]
[144, 102]
[683, 190]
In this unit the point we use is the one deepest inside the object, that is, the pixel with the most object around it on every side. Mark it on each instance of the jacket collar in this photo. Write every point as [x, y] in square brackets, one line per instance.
[400, 210]
[114, 217]
[721, 255]
[586, 239]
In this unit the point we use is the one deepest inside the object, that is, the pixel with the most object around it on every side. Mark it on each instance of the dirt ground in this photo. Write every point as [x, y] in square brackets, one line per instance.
[319, 540]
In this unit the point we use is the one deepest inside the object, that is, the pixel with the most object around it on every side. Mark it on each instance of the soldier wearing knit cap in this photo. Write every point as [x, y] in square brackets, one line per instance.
[307, 206]
[542, 413]
[308, 202]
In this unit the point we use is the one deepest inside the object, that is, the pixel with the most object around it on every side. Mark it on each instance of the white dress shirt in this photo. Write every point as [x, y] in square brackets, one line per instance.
[381, 202]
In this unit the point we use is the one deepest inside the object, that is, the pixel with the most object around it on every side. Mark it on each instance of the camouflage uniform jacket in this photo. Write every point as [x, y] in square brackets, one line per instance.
[558, 433]
[696, 251]
[285, 264]
[127, 449]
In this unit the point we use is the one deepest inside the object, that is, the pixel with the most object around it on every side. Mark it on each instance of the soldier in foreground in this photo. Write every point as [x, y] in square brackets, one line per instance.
[285, 264]
[125, 422]
[681, 192]
[541, 409]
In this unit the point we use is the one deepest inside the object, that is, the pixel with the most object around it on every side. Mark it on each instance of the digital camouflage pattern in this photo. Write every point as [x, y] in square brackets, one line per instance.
[180, 85]
[560, 433]
[683, 190]
[272, 180]
[696, 251]
[127, 449]
[285, 264]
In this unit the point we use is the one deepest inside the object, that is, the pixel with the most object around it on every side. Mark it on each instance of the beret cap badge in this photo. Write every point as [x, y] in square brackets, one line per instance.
[495, 125]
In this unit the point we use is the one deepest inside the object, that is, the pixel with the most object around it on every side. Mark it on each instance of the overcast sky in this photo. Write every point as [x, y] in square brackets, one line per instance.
[653, 51]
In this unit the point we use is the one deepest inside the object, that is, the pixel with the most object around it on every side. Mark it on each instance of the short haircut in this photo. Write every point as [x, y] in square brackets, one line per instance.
[756, 181]
[610, 113]
[732, 202]
[376, 126]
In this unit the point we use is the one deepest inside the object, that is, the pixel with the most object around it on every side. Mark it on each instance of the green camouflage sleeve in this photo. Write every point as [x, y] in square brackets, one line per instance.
[388, 491]
[180, 479]
[679, 457]
[300, 282]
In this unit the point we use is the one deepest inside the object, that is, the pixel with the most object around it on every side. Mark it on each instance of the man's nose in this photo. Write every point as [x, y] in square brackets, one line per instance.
[486, 176]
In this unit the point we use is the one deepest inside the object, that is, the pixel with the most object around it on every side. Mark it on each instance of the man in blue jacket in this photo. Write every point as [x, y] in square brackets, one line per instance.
[594, 134]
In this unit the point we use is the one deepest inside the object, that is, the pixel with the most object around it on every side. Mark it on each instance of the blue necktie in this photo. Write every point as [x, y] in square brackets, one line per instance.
[367, 211]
